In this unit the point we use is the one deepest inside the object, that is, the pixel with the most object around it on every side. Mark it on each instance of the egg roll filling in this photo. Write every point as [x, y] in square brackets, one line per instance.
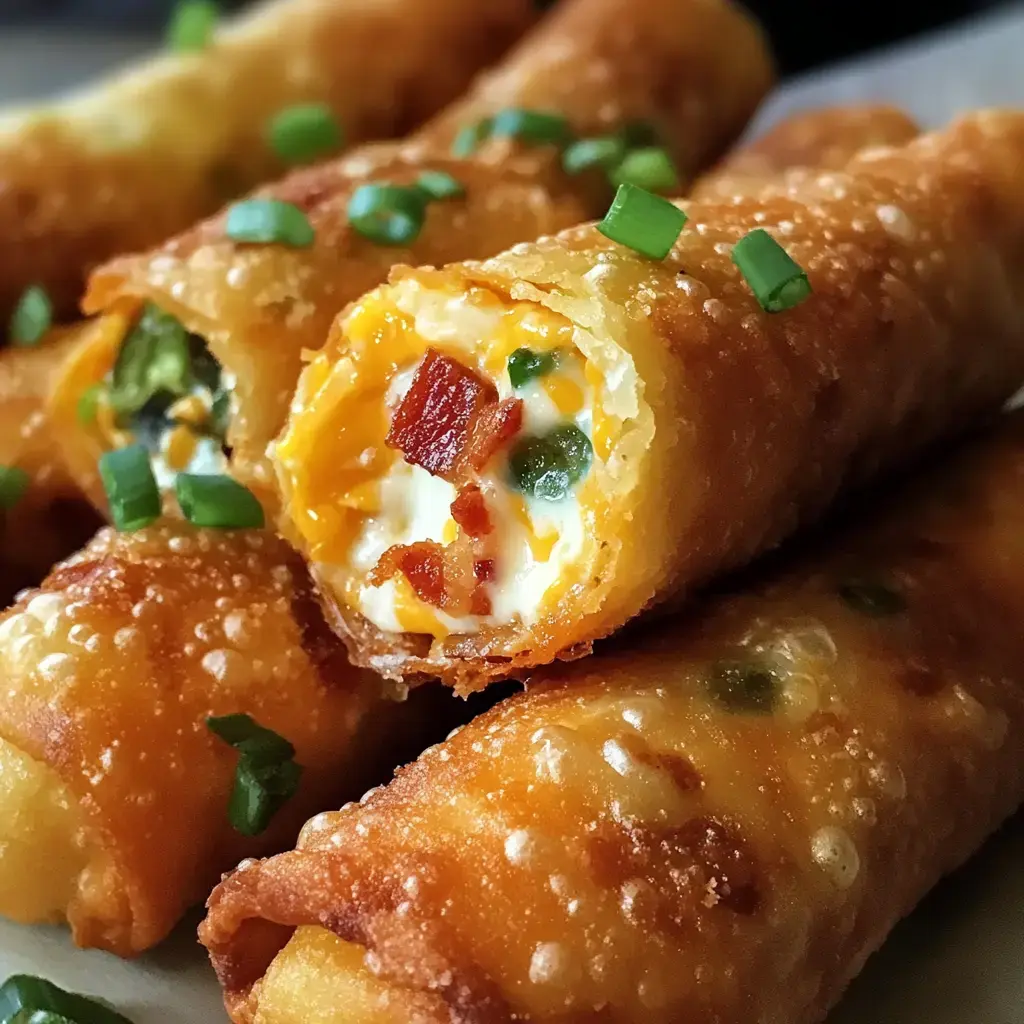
[449, 462]
[167, 392]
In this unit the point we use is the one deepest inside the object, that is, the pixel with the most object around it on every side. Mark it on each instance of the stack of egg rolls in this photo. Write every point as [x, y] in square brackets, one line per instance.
[208, 616]
[258, 307]
[129, 162]
[719, 825]
[115, 792]
[704, 428]
[49, 518]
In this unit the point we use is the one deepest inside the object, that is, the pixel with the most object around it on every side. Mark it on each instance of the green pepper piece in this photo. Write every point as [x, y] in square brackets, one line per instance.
[525, 365]
[154, 357]
[743, 687]
[546, 467]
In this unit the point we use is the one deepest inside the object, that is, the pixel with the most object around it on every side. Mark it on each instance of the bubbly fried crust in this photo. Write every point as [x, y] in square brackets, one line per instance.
[717, 825]
[81, 181]
[260, 307]
[52, 519]
[110, 670]
[750, 423]
[825, 138]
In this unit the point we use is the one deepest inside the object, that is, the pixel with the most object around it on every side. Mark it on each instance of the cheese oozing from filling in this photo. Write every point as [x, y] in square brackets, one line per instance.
[533, 539]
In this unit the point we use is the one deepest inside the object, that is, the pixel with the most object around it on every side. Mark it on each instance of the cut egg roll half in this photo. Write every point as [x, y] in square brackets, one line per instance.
[717, 825]
[492, 465]
[127, 162]
[252, 309]
[117, 798]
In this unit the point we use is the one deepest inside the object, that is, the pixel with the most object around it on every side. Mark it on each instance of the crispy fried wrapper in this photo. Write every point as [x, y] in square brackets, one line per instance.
[144, 154]
[51, 519]
[702, 69]
[702, 429]
[824, 138]
[115, 792]
[719, 825]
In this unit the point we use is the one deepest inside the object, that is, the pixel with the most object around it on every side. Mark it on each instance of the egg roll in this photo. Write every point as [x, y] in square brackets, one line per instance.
[130, 161]
[824, 138]
[718, 824]
[114, 791]
[50, 519]
[697, 70]
[492, 465]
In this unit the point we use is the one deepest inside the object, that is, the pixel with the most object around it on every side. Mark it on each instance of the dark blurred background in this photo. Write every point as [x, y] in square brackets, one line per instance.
[805, 32]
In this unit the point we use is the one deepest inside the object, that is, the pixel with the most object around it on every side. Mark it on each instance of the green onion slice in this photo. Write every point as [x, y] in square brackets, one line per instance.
[32, 317]
[651, 168]
[301, 134]
[872, 598]
[25, 999]
[440, 185]
[643, 222]
[191, 25]
[269, 220]
[606, 152]
[14, 483]
[266, 775]
[470, 136]
[132, 493]
[777, 281]
[387, 214]
[89, 403]
[537, 127]
[525, 365]
[547, 466]
[218, 501]
[743, 687]
[154, 357]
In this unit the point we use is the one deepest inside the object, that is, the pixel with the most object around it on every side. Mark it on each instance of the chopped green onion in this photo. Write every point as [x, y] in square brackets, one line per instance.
[650, 169]
[872, 598]
[301, 134]
[269, 220]
[261, 745]
[524, 365]
[534, 126]
[217, 501]
[777, 281]
[606, 152]
[440, 185]
[546, 467]
[25, 999]
[220, 416]
[741, 687]
[154, 357]
[470, 137]
[387, 214]
[266, 775]
[643, 222]
[191, 25]
[32, 317]
[14, 483]
[132, 494]
[88, 404]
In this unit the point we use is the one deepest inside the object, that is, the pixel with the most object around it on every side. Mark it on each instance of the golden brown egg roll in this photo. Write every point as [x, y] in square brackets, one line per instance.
[824, 138]
[701, 70]
[50, 519]
[663, 427]
[115, 795]
[144, 154]
[717, 825]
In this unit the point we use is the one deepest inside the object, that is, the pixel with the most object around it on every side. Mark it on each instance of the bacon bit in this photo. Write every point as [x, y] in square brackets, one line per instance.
[431, 426]
[483, 570]
[439, 575]
[450, 421]
[493, 428]
[469, 510]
